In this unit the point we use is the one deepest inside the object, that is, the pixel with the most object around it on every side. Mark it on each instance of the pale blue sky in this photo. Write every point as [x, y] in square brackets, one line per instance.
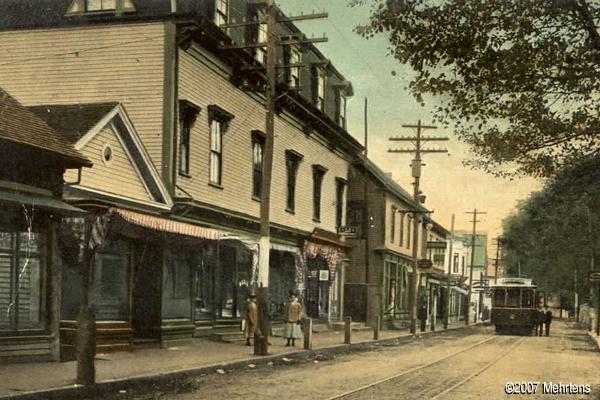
[450, 187]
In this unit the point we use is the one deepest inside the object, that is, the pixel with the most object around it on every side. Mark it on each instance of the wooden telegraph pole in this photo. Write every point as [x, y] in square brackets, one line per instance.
[416, 165]
[497, 260]
[475, 221]
[450, 261]
[273, 17]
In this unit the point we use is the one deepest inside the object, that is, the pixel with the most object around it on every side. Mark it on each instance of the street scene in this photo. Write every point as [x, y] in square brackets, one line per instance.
[349, 199]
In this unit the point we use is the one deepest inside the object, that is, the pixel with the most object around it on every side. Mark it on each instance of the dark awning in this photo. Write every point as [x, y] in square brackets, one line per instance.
[39, 200]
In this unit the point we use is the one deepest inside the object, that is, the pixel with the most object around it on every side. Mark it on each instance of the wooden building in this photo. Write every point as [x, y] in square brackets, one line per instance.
[181, 110]
[33, 159]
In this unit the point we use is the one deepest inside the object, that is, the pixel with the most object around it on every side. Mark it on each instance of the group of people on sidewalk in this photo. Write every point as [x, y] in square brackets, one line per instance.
[293, 315]
[543, 319]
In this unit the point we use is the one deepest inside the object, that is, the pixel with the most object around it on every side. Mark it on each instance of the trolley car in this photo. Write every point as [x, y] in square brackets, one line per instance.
[514, 305]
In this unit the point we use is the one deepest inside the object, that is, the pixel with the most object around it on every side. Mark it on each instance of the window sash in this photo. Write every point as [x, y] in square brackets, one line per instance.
[184, 149]
[101, 5]
[216, 138]
[393, 225]
[221, 11]
[257, 168]
[292, 170]
[294, 74]
[339, 202]
[260, 54]
[317, 189]
[320, 91]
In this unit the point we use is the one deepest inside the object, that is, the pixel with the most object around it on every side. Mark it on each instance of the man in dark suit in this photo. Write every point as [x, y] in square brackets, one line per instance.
[547, 320]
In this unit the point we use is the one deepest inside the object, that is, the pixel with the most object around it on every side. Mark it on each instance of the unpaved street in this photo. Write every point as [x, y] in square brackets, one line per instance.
[466, 365]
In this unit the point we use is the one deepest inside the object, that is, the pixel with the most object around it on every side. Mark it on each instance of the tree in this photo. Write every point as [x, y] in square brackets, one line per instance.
[519, 79]
[551, 236]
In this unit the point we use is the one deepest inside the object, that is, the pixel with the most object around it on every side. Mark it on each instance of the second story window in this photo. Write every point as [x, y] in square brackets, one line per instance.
[292, 162]
[221, 12]
[258, 147]
[188, 113]
[341, 109]
[408, 232]
[401, 236]
[455, 264]
[340, 188]
[318, 174]
[393, 224]
[218, 123]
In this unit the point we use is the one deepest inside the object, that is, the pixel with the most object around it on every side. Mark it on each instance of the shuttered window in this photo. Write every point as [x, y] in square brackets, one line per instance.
[221, 7]
[22, 260]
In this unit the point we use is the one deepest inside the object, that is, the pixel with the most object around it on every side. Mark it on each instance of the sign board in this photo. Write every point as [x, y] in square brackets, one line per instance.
[324, 275]
[425, 263]
[594, 276]
[348, 231]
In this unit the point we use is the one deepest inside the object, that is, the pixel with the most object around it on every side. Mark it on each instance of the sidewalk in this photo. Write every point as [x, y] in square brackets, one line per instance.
[16, 379]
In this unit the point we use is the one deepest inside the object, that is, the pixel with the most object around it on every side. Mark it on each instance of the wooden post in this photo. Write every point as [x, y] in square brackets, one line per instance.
[308, 333]
[85, 341]
[377, 328]
[348, 330]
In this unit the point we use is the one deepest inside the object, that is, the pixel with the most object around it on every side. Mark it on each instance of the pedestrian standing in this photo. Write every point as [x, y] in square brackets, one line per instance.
[293, 315]
[251, 318]
[540, 317]
[548, 320]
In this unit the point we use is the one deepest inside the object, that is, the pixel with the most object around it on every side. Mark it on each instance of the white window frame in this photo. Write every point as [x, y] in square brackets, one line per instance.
[260, 53]
[215, 166]
[321, 90]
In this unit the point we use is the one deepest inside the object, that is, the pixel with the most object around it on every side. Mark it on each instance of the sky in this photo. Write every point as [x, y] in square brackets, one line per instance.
[450, 187]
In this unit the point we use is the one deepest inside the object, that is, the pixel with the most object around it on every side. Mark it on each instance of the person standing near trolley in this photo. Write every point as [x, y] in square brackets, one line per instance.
[251, 318]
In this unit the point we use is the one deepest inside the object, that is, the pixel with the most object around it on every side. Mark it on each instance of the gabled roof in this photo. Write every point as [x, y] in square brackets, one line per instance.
[88, 120]
[73, 121]
[390, 185]
[20, 125]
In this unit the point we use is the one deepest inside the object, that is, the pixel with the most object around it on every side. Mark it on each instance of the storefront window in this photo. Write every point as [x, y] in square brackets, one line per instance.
[203, 284]
[22, 286]
[282, 271]
[177, 299]
[111, 281]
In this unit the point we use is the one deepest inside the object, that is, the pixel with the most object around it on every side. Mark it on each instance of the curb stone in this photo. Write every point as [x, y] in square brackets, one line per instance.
[116, 385]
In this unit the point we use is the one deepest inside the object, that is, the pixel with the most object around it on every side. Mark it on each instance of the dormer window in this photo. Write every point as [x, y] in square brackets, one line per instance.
[294, 57]
[260, 53]
[319, 88]
[221, 12]
[92, 6]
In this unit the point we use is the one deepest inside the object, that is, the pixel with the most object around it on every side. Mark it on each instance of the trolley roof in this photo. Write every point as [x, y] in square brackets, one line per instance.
[514, 282]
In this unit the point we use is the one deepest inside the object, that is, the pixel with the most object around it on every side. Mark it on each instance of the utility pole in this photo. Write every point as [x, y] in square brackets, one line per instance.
[497, 260]
[416, 165]
[450, 260]
[366, 221]
[475, 221]
[273, 17]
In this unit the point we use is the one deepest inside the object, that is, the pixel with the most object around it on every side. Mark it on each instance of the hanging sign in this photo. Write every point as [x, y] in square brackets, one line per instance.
[324, 275]
[594, 276]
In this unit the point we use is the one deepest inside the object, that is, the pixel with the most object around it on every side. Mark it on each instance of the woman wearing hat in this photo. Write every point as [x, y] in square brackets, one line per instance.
[293, 314]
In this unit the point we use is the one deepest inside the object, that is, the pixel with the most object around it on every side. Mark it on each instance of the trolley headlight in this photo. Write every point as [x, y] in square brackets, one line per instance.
[511, 316]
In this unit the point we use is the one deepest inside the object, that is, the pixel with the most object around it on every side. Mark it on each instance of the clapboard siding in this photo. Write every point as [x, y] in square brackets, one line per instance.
[121, 63]
[22, 349]
[117, 177]
[201, 85]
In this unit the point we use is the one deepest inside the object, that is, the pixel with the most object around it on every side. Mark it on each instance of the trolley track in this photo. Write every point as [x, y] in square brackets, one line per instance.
[447, 385]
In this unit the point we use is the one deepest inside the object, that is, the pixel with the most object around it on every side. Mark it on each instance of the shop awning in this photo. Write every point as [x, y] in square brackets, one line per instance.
[459, 290]
[165, 225]
[39, 200]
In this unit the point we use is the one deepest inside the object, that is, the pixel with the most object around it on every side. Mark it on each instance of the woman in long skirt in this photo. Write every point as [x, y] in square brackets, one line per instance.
[293, 315]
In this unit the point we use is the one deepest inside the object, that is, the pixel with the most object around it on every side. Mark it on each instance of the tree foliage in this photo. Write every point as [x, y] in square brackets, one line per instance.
[553, 235]
[519, 79]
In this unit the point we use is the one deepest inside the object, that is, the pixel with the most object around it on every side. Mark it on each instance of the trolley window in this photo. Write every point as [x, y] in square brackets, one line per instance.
[513, 297]
[527, 298]
[499, 298]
